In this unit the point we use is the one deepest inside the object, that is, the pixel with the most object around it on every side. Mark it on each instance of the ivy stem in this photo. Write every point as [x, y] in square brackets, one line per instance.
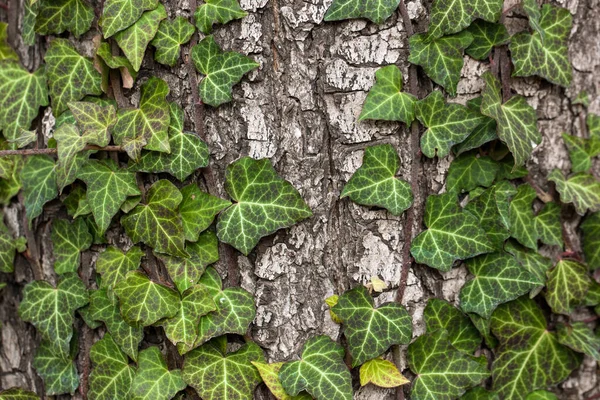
[544, 196]
[33, 152]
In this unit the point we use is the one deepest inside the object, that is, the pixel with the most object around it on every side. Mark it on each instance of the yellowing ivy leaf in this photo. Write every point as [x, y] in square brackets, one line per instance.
[270, 376]
[118, 15]
[581, 189]
[217, 11]
[169, 37]
[382, 373]
[153, 380]
[376, 11]
[39, 184]
[56, 16]
[111, 375]
[6, 52]
[68, 240]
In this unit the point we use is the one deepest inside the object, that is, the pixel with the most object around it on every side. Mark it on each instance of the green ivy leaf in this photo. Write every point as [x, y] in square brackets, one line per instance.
[157, 222]
[516, 120]
[148, 126]
[541, 395]
[51, 310]
[469, 171]
[128, 74]
[8, 247]
[531, 260]
[18, 394]
[217, 11]
[56, 16]
[479, 393]
[376, 11]
[567, 285]
[198, 210]
[188, 151]
[486, 36]
[447, 123]
[39, 184]
[159, 301]
[498, 278]
[547, 224]
[59, 374]
[94, 120]
[112, 375]
[522, 220]
[107, 189]
[114, 264]
[28, 28]
[6, 52]
[270, 376]
[452, 16]
[386, 101]
[591, 240]
[462, 334]
[68, 240]
[382, 373]
[581, 189]
[11, 184]
[442, 58]
[220, 376]
[545, 52]
[222, 71]
[443, 373]
[532, 10]
[529, 356]
[321, 371]
[579, 337]
[581, 151]
[491, 208]
[153, 380]
[169, 38]
[371, 331]
[134, 40]
[375, 182]
[453, 234]
[264, 204]
[70, 75]
[118, 15]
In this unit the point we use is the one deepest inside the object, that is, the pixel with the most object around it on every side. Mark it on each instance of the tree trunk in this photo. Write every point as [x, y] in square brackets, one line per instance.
[300, 109]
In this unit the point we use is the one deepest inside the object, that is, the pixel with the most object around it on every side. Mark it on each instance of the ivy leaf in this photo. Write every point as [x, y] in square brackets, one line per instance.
[8, 247]
[486, 36]
[112, 375]
[222, 71]
[147, 126]
[70, 75]
[159, 301]
[376, 11]
[114, 264]
[545, 52]
[591, 240]
[443, 373]
[579, 337]
[442, 58]
[18, 394]
[23, 93]
[321, 371]
[469, 171]
[452, 16]
[183, 327]
[51, 310]
[375, 182]
[516, 120]
[462, 334]
[67, 171]
[547, 224]
[118, 15]
[107, 188]
[217, 11]
[529, 356]
[128, 74]
[270, 376]
[581, 189]
[216, 375]
[59, 374]
[479, 393]
[386, 101]
[491, 209]
[581, 151]
[382, 373]
[153, 379]
[68, 240]
[188, 151]
[453, 234]
[169, 38]
[522, 220]
[39, 184]
[6, 52]
[264, 204]
[28, 25]
[134, 40]
[447, 123]
[541, 395]
[371, 331]
[157, 222]
[531, 260]
[532, 10]
[498, 278]
[94, 120]
[332, 301]
[568, 283]
[56, 16]
[198, 210]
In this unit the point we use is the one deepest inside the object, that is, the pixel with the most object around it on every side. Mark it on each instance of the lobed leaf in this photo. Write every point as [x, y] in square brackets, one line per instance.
[579, 337]
[486, 36]
[376, 11]
[382, 373]
[567, 285]
[581, 189]
[153, 380]
[57, 16]
[461, 332]
[69, 240]
[548, 226]
[469, 171]
[111, 376]
[491, 208]
[118, 15]
[217, 11]
[114, 264]
[452, 16]
[59, 374]
[270, 376]
[169, 38]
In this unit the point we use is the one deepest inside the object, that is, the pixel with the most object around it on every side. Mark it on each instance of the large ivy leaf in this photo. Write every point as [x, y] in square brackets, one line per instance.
[548, 226]
[498, 278]
[382, 373]
[376, 11]
[491, 208]
[567, 285]
[270, 376]
[579, 337]
[121, 14]
[68, 240]
[217, 11]
[219, 376]
[198, 210]
[56, 16]
[51, 310]
[222, 70]
[516, 120]
[452, 234]
[321, 371]
[107, 188]
[443, 373]
[386, 101]
[134, 40]
[59, 374]
[375, 182]
[169, 38]
[581, 151]
[264, 204]
[95, 121]
[112, 375]
[153, 380]
[70, 75]
[462, 334]
[581, 189]
[371, 331]
[486, 36]
[157, 222]
[522, 221]
[188, 151]
[452, 16]
[442, 58]
[6, 52]
[591, 240]
[469, 171]
[23, 93]
[545, 52]
[114, 264]
[147, 126]
[18, 394]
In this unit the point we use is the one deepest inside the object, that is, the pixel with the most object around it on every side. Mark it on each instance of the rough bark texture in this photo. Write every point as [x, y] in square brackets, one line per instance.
[300, 109]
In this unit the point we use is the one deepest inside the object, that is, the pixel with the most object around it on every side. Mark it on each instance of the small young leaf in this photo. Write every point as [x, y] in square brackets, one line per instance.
[462, 334]
[153, 380]
[376, 11]
[114, 264]
[121, 14]
[112, 375]
[469, 171]
[59, 374]
[581, 189]
[522, 220]
[579, 337]
[547, 225]
[222, 70]
[486, 36]
[169, 37]
[375, 182]
[68, 241]
[591, 240]
[270, 376]
[567, 286]
[382, 373]
[452, 16]
[56, 16]
[217, 11]
[94, 120]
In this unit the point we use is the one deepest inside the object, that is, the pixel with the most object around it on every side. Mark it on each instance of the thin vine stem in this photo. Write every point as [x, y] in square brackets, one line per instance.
[33, 152]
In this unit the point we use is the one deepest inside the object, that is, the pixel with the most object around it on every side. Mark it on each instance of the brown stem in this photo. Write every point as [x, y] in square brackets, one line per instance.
[115, 81]
[32, 254]
[594, 397]
[33, 152]
[541, 194]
